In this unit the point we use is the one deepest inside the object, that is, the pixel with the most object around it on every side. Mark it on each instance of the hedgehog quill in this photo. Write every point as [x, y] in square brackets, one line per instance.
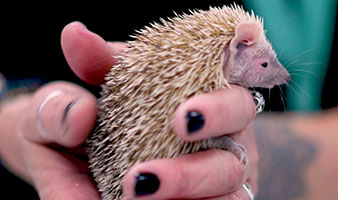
[163, 66]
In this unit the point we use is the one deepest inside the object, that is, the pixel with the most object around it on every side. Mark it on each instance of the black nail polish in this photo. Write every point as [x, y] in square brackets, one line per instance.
[195, 121]
[146, 184]
[68, 107]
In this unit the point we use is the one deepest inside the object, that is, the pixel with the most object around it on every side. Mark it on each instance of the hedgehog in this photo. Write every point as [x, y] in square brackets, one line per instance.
[166, 63]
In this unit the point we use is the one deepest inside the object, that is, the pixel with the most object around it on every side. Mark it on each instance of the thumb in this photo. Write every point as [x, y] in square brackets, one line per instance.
[61, 113]
[88, 55]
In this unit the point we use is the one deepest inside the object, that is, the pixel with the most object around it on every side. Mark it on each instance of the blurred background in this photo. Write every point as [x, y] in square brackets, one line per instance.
[302, 33]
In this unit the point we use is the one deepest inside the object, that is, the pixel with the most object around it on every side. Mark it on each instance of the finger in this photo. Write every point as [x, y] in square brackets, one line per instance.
[214, 114]
[240, 193]
[187, 176]
[57, 175]
[246, 137]
[117, 47]
[88, 55]
[61, 113]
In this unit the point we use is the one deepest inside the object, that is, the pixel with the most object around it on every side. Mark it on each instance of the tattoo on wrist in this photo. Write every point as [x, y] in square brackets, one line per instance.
[284, 160]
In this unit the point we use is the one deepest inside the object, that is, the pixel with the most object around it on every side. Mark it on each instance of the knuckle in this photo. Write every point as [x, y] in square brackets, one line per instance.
[249, 104]
[255, 158]
[235, 173]
[24, 124]
[183, 182]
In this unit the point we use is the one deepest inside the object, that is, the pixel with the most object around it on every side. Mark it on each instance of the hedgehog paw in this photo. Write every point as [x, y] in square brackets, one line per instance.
[239, 152]
[229, 144]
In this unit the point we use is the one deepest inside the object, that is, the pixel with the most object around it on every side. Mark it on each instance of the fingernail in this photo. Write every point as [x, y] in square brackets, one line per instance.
[66, 111]
[83, 30]
[195, 121]
[39, 125]
[146, 183]
[78, 22]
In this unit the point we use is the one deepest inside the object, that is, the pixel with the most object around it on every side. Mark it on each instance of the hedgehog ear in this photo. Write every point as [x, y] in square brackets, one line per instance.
[246, 34]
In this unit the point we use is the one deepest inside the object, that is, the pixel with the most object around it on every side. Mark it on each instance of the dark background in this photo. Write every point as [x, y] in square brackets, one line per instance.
[31, 42]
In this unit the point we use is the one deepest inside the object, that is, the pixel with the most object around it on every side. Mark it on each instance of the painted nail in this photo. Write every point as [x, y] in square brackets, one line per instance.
[66, 111]
[146, 184]
[195, 121]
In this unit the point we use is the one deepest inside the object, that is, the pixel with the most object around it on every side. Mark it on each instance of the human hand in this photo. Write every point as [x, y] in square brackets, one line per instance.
[42, 134]
[50, 154]
[213, 174]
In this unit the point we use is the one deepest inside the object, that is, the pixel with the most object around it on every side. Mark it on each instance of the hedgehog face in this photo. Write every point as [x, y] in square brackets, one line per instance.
[253, 62]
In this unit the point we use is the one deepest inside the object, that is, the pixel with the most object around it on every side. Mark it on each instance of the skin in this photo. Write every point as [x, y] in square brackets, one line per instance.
[52, 158]
[298, 155]
[252, 61]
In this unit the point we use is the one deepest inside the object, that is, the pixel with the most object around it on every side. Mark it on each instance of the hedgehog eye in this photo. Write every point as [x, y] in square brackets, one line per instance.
[265, 64]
